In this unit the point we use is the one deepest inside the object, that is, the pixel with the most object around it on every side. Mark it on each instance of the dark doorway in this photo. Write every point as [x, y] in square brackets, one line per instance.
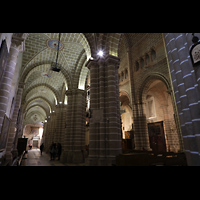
[157, 137]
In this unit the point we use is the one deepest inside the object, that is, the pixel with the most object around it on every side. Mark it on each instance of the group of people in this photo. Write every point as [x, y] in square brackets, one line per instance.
[55, 150]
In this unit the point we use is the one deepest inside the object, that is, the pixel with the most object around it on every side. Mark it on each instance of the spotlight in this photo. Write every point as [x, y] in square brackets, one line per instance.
[100, 53]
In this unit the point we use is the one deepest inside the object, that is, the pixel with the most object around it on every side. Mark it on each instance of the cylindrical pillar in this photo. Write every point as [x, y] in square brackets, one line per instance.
[74, 140]
[186, 93]
[113, 107]
[105, 132]
[6, 83]
[11, 147]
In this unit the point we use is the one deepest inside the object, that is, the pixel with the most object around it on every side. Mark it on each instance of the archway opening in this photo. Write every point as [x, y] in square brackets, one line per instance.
[126, 123]
[34, 133]
[162, 130]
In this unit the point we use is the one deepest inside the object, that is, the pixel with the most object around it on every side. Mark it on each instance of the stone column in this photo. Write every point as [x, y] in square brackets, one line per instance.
[141, 136]
[103, 122]
[112, 107]
[94, 140]
[63, 125]
[47, 131]
[60, 120]
[136, 118]
[44, 135]
[186, 93]
[189, 38]
[6, 83]
[74, 138]
[7, 78]
[53, 126]
[105, 133]
[11, 150]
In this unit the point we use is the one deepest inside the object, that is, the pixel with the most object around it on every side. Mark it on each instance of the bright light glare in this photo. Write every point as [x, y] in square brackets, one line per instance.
[40, 132]
[100, 53]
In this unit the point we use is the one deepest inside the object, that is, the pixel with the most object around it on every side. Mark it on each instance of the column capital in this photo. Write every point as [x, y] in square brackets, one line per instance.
[18, 41]
[91, 62]
[112, 60]
[75, 91]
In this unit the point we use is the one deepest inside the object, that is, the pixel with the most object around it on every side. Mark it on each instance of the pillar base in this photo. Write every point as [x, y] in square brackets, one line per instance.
[143, 148]
[75, 157]
[14, 153]
[9, 158]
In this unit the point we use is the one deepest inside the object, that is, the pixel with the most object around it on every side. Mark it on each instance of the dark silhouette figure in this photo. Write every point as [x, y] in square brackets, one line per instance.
[53, 151]
[41, 147]
[59, 150]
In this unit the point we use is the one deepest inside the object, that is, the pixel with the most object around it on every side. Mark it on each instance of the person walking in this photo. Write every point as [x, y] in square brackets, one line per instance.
[59, 150]
[53, 150]
[41, 147]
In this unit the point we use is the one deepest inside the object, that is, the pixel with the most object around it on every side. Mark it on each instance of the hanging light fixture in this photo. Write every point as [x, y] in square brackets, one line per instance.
[55, 66]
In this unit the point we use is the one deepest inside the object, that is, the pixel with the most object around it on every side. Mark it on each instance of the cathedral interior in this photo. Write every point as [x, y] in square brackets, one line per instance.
[109, 99]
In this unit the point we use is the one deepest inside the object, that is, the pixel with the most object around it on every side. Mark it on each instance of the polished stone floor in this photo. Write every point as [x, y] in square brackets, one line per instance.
[34, 158]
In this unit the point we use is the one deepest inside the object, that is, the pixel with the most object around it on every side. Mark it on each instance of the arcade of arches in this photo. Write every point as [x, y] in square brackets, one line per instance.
[139, 94]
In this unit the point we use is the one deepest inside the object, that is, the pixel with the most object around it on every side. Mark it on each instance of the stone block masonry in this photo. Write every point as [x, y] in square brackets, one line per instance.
[74, 136]
[105, 132]
[186, 91]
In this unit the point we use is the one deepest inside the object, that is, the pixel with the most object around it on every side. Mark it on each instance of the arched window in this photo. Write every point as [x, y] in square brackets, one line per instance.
[150, 107]
[126, 73]
[147, 59]
[119, 77]
[122, 76]
[142, 62]
[153, 54]
[137, 66]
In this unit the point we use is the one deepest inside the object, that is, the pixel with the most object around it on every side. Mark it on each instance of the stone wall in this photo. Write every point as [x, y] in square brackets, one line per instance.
[143, 57]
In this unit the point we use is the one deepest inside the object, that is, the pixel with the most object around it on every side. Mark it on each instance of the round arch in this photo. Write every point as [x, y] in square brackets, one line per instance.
[148, 81]
[38, 105]
[114, 42]
[125, 93]
[126, 114]
[29, 119]
[108, 42]
[36, 98]
[28, 69]
[55, 93]
[91, 39]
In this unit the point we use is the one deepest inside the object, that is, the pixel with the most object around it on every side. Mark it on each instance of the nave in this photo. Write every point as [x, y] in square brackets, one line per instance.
[101, 96]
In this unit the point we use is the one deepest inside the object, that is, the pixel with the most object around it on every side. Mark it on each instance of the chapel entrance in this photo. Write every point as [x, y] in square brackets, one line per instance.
[128, 143]
[157, 137]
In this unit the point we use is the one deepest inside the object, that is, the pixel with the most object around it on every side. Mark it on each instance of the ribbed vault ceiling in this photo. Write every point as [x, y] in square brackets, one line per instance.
[45, 88]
